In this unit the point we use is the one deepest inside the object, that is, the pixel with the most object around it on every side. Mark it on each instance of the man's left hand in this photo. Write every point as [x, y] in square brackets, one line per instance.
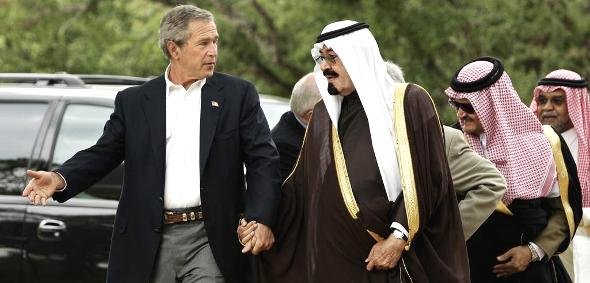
[518, 260]
[385, 254]
[264, 239]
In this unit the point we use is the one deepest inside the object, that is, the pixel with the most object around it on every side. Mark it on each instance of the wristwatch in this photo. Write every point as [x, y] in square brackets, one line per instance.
[399, 234]
[534, 255]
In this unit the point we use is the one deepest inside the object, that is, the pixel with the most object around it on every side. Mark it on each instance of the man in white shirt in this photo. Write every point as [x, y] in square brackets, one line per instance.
[561, 100]
[185, 138]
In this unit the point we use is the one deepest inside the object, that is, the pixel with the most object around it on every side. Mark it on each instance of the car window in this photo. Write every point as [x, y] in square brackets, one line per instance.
[273, 112]
[19, 125]
[80, 128]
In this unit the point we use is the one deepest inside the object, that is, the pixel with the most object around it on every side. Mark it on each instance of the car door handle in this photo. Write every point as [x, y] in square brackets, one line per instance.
[51, 230]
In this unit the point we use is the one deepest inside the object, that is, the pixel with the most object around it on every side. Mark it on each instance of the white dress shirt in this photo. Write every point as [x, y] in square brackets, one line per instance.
[581, 242]
[183, 125]
[571, 139]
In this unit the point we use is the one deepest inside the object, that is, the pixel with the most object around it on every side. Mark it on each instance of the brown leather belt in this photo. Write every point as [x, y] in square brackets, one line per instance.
[186, 215]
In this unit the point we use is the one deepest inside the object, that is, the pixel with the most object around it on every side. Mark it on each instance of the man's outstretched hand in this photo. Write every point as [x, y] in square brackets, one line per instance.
[42, 186]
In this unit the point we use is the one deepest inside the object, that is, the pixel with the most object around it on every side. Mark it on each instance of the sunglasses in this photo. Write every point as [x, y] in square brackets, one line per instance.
[466, 107]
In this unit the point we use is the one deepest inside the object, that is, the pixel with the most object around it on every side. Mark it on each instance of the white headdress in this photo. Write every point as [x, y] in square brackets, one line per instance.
[357, 49]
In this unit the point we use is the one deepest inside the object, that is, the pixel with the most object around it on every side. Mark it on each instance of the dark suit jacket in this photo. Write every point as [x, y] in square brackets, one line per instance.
[288, 136]
[233, 133]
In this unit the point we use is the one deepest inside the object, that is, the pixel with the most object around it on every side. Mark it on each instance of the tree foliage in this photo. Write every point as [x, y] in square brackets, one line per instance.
[269, 41]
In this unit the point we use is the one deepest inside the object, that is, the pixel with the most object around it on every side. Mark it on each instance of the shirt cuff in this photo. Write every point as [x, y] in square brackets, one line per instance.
[396, 225]
[65, 182]
[540, 252]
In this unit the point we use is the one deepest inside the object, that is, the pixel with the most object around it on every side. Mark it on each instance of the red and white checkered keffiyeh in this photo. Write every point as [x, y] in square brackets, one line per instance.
[579, 111]
[515, 142]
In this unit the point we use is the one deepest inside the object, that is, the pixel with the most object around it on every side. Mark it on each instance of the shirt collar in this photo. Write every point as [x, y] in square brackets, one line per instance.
[170, 84]
[570, 135]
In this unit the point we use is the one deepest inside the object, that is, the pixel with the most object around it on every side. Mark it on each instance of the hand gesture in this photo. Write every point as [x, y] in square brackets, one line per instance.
[518, 260]
[385, 254]
[42, 186]
[246, 234]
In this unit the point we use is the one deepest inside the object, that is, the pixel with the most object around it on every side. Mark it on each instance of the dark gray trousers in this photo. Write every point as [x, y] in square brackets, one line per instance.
[185, 256]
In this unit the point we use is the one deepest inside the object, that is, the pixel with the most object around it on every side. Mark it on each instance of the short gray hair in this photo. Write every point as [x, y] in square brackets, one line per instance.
[305, 95]
[395, 72]
[174, 24]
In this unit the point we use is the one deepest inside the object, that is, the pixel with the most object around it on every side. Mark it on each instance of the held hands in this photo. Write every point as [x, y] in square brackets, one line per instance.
[385, 254]
[246, 234]
[255, 237]
[42, 186]
[518, 258]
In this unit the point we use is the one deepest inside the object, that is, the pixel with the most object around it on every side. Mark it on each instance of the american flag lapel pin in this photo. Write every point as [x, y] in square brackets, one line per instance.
[214, 103]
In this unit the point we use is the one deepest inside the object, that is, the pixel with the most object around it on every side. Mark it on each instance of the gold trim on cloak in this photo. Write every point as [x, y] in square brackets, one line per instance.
[404, 160]
[342, 173]
[402, 146]
[344, 181]
[562, 176]
[300, 150]
[502, 208]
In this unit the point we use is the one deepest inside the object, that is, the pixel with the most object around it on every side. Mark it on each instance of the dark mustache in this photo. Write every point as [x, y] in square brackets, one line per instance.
[329, 72]
[551, 114]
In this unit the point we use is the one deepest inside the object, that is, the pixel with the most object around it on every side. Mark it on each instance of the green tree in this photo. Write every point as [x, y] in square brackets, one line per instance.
[269, 41]
[116, 37]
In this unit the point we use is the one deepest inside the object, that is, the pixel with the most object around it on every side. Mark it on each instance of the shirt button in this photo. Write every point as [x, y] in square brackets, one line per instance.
[157, 230]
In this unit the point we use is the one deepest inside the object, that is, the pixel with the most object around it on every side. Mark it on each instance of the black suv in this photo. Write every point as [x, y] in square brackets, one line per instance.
[44, 120]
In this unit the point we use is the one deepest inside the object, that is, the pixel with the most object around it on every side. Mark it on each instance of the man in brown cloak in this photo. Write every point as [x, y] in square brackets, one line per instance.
[370, 198]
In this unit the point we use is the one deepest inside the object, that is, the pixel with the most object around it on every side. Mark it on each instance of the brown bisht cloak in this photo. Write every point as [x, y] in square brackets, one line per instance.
[334, 209]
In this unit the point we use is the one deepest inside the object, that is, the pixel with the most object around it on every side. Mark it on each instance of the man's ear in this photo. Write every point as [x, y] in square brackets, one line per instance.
[307, 116]
[173, 49]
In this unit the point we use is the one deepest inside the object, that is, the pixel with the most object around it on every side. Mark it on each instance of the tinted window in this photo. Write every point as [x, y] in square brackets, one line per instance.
[80, 128]
[19, 125]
